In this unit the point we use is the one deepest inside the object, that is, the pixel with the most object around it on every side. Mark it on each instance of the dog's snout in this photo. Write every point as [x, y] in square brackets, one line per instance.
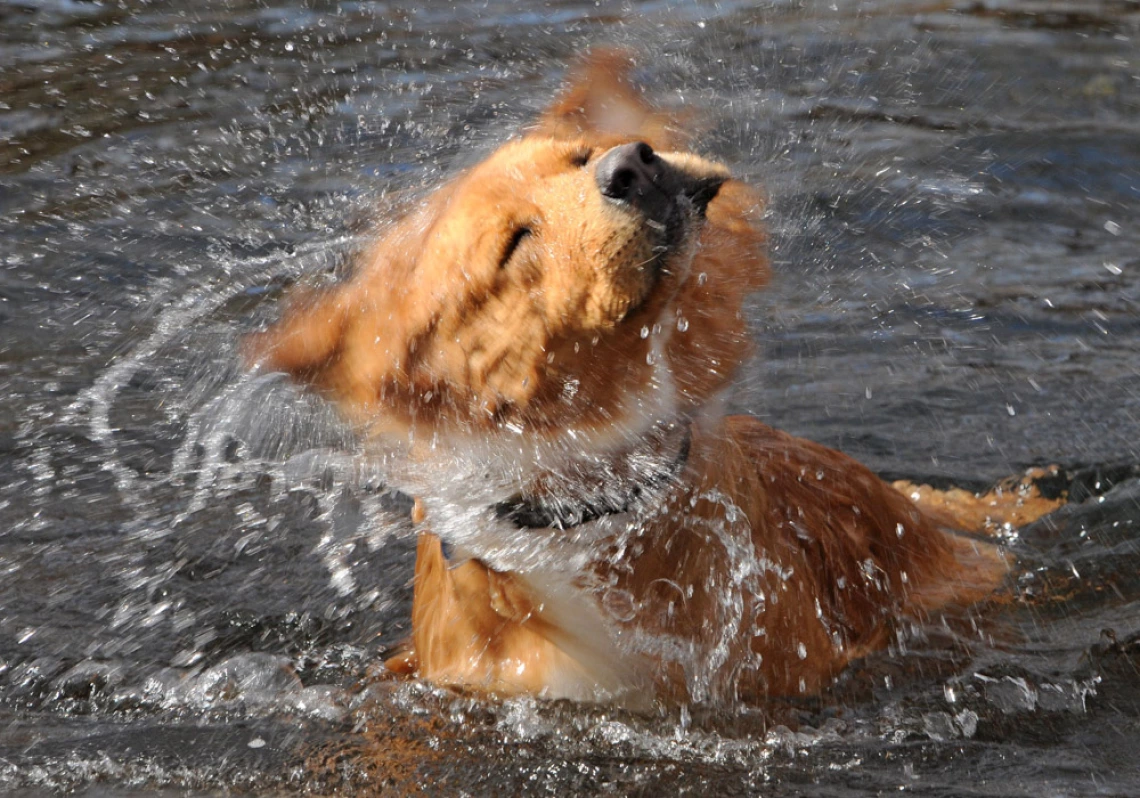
[628, 171]
[634, 175]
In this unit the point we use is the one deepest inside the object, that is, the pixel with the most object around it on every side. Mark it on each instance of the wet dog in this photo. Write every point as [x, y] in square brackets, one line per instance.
[538, 352]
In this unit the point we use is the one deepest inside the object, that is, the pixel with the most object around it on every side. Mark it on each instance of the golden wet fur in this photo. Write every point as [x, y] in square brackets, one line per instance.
[524, 339]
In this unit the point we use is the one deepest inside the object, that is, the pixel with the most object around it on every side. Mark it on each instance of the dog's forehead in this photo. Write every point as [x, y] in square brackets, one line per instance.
[514, 185]
[533, 158]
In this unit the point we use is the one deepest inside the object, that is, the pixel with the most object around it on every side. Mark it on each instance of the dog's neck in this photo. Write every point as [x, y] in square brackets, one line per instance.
[620, 486]
[473, 465]
[516, 517]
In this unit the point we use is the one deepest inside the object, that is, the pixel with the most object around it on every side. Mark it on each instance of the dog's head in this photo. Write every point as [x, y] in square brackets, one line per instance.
[570, 281]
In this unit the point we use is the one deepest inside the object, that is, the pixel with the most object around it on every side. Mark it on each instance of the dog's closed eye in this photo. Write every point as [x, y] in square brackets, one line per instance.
[582, 157]
[518, 235]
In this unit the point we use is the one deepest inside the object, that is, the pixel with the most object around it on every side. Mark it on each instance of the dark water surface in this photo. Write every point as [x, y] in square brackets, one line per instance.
[196, 577]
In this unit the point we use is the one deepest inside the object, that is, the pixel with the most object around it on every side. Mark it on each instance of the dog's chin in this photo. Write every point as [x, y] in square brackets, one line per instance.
[675, 244]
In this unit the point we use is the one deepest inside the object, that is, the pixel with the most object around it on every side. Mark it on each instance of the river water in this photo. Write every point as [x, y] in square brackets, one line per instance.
[197, 578]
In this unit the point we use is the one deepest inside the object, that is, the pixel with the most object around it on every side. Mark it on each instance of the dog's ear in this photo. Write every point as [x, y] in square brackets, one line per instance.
[357, 339]
[355, 342]
[600, 100]
[305, 340]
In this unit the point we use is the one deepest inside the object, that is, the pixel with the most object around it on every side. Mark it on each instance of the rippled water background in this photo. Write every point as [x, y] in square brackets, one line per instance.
[196, 576]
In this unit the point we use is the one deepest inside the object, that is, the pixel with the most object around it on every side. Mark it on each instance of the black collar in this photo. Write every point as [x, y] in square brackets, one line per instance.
[565, 513]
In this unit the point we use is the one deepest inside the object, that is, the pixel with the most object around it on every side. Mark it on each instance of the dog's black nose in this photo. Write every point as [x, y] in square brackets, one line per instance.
[628, 171]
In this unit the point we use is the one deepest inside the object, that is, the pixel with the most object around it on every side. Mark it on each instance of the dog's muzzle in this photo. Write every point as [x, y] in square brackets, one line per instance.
[634, 175]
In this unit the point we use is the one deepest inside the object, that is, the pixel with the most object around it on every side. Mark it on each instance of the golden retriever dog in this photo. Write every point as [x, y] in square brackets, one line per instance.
[538, 353]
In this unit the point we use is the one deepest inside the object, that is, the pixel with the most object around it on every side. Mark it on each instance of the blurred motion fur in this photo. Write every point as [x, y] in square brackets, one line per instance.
[539, 351]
